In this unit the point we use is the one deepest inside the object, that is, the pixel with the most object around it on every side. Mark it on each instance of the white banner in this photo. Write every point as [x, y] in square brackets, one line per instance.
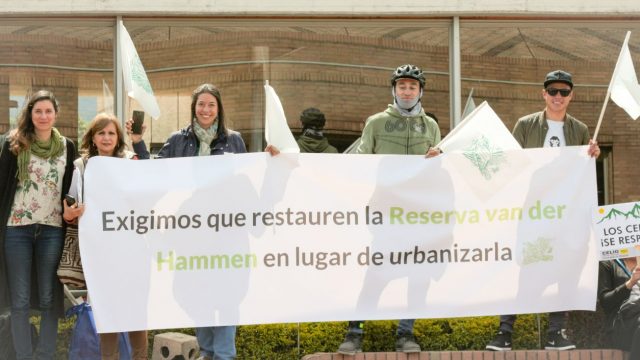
[250, 239]
[617, 228]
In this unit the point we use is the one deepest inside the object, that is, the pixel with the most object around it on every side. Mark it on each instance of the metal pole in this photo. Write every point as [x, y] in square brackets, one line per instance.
[119, 92]
[539, 332]
[455, 82]
[299, 338]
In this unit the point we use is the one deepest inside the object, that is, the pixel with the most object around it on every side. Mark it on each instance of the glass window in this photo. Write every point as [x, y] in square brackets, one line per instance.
[74, 59]
[341, 68]
[505, 64]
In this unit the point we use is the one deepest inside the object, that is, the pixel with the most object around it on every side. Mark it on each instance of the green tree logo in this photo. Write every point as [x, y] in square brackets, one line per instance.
[139, 76]
[484, 156]
[537, 251]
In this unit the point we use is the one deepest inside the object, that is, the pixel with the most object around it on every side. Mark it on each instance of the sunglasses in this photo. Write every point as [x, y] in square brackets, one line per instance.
[554, 92]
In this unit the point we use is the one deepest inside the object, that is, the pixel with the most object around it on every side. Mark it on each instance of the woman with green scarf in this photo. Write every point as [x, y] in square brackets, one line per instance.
[207, 135]
[36, 167]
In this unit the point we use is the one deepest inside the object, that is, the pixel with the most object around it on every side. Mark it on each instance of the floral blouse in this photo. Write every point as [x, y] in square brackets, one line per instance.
[37, 200]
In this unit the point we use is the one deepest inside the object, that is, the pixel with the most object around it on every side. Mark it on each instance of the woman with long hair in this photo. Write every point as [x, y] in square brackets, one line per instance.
[207, 135]
[36, 166]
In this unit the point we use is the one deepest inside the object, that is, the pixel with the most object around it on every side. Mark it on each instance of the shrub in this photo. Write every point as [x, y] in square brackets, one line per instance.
[280, 341]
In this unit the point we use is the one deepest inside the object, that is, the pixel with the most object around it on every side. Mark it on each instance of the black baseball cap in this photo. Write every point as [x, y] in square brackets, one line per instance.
[558, 76]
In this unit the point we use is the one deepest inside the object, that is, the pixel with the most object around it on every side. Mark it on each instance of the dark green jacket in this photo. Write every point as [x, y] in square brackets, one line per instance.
[531, 130]
[389, 132]
[309, 144]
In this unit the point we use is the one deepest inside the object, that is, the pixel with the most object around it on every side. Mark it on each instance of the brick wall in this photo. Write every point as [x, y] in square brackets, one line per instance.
[4, 104]
[347, 94]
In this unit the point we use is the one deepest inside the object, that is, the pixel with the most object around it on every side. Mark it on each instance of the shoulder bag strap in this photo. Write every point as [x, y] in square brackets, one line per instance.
[624, 268]
[80, 185]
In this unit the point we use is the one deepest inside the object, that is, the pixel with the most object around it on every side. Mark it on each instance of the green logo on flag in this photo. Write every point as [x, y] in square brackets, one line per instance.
[537, 251]
[486, 157]
[139, 76]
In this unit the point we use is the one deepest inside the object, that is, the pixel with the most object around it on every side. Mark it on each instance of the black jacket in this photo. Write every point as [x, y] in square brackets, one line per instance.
[612, 291]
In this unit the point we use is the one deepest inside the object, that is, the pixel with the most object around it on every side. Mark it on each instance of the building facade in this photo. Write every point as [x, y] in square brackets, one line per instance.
[333, 55]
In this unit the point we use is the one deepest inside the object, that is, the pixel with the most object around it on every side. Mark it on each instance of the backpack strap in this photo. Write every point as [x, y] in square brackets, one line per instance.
[624, 268]
[80, 164]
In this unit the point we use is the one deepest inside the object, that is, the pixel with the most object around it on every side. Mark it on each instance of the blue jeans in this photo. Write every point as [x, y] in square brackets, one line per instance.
[217, 342]
[24, 245]
[405, 327]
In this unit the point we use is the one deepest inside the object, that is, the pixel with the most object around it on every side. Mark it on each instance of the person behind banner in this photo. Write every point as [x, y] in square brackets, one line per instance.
[551, 127]
[207, 135]
[104, 137]
[36, 166]
[403, 128]
[619, 296]
[312, 139]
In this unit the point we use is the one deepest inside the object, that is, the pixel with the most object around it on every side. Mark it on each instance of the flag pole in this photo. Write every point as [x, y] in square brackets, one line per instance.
[124, 121]
[604, 106]
[613, 76]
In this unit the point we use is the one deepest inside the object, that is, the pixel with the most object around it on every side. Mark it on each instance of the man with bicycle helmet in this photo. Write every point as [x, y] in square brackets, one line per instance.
[403, 128]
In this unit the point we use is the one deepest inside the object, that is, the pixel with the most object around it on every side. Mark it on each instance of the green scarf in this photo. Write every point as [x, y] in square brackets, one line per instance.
[205, 136]
[49, 149]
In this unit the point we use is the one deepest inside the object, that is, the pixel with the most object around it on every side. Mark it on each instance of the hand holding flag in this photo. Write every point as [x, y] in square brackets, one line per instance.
[135, 78]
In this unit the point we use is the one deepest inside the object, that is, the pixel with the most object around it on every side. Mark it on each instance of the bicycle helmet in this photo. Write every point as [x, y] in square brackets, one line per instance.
[408, 71]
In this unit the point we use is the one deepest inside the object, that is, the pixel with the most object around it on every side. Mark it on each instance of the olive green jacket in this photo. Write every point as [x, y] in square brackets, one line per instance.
[309, 144]
[531, 130]
[389, 132]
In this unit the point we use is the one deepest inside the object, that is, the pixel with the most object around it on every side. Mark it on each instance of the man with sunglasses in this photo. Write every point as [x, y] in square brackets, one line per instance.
[551, 127]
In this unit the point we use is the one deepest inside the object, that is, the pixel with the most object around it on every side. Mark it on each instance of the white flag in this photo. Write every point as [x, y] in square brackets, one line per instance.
[276, 129]
[107, 98]
[625, 90]
[469, 106]
[481, 131]
[135, 78]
